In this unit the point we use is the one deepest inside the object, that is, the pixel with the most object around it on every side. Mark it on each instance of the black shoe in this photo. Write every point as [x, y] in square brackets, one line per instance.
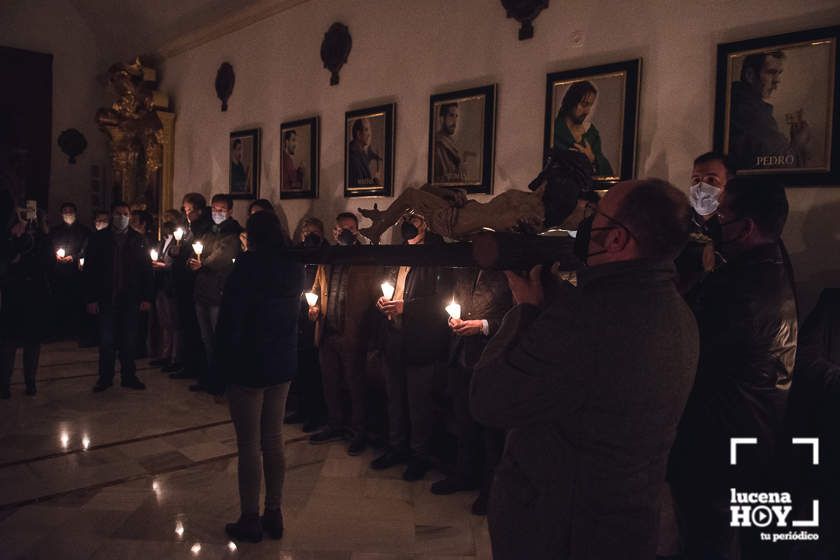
[198, 387]
[357, 445]
[327, 435]
[182, 374]
[247, 529]
[31, 390]
[479, 506]
[5, 393]
[389, 459]
[452, 484]
[272, 523]
[296, 417]
[416, 470]
[171, 367]
[133, 383]
[102, 385]
[312, 425]
[159, 362]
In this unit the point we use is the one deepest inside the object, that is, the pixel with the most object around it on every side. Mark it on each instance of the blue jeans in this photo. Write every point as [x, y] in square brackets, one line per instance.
[118, 323]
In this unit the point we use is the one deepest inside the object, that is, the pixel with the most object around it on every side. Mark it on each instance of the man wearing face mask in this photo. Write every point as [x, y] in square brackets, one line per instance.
[220, 246]
[118, 279]
[342, 330]
[101, 220]
[591, 387]
[416, 343]
[71, 237]
[746, 313]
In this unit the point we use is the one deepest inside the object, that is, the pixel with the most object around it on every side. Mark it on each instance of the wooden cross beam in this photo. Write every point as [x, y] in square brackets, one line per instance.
[494, 251]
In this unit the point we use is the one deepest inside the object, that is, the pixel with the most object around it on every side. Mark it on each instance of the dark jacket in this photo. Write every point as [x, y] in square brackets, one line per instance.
[182, 276]
[482, 294]
[99, 271]
[221, 246]
[24, 304]
[592, 388]
[746, 312]
[73, 239]
[256, 337]
[347, 297]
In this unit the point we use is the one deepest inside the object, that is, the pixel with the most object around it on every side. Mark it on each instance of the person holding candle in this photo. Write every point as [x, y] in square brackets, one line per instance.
[342, 334]
[69, 240]
[118, 278]
[483, 297]
[213, 262]
[416, 342]
[165, 303]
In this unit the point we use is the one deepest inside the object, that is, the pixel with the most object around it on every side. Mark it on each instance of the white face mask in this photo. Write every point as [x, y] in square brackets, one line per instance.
[120, 222]
[69, 219]
[704, 198]
[219, 217]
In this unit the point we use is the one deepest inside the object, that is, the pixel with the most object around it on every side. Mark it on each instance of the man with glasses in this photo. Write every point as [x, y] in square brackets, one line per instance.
[591, 386]
[746, 313]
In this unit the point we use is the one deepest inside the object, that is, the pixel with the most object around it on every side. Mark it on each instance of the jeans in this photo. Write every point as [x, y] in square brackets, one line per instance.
[31, 353]
[208, 317]
[118, 324]
[257, 415]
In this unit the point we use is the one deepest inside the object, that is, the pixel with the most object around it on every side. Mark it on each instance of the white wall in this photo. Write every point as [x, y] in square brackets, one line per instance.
[55, 27]
[405, 50]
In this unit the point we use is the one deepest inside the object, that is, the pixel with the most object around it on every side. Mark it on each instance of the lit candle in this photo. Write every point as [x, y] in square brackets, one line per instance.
[85, 442]
[454, 310]
[154, 254]
[387, 290]
[196, 548]
[82, 262]
[179, 234]
[311, 298]
[179, 528]
[60, 253]
[156, 486]
[65, 439]
[232, 546]
[198, 247]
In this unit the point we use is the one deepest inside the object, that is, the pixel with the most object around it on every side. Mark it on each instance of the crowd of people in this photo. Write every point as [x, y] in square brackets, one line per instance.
[566, 404]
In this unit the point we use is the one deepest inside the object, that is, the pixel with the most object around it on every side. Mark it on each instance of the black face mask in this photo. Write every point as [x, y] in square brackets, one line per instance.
[312, 240]
[409, 231]
[346, 237]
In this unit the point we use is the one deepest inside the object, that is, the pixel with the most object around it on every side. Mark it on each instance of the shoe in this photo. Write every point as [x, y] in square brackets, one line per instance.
[247, 529]
[389, 459]
[326, 435]
[5, 393]
[172, 367]
[133, 383]
[31, 390]
[416, 469]
[312, 425]
[101, 386]
[452, 484]
[159, 362]
[479, 506]
[272, 523]
[198, 387]
[295, 417]
[357, 445]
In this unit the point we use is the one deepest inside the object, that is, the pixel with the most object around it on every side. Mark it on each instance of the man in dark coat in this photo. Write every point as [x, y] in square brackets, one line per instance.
[416, 343]
[591, 387]
[484, 298]
[119, 282]
[71, 238]
[746, 312]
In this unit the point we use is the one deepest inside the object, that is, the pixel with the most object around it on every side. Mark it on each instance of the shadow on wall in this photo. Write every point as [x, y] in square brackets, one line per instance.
[821, 237]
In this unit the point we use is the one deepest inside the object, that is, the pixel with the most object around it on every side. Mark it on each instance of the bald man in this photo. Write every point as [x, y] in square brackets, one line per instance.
[591, 387]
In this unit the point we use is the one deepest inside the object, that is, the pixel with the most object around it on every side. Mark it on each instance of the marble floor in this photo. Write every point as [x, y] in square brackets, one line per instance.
[152, 474]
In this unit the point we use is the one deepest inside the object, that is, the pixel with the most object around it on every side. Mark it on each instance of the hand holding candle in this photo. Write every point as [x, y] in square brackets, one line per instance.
[387, 290]
[198, 247]
[60, 253]
[454, 310]
[154, 254]
[311, 298]
[178, 234]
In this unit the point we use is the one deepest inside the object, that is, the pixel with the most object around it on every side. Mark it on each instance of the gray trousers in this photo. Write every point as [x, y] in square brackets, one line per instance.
[257, 415]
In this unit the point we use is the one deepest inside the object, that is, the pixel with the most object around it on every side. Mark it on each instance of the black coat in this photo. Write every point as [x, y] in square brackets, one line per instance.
[99, 268]
[24, 304]
[256, 337]
[746, 313]
[73, 239]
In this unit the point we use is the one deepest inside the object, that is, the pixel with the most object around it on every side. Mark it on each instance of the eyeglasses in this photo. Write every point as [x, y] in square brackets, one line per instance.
[590, 210]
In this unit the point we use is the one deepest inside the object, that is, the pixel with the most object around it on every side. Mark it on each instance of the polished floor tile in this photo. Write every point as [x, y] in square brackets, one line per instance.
[153, 474]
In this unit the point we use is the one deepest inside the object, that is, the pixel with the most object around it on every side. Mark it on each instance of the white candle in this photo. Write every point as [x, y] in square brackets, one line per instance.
[82, 262]
[198, 248]
[196, 548]
[154, 254]
[311, 298]
[179, 528]
[85, 442]
[65, 439]
[387, 290]
[454, 310]
[60, 253]
[179, 233]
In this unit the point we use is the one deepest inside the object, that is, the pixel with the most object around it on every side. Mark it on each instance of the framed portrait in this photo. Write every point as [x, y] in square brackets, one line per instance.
[299, 159]
[594, 111]
[776, 107]
[369, 151]
[462, 132]
[244, 179]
